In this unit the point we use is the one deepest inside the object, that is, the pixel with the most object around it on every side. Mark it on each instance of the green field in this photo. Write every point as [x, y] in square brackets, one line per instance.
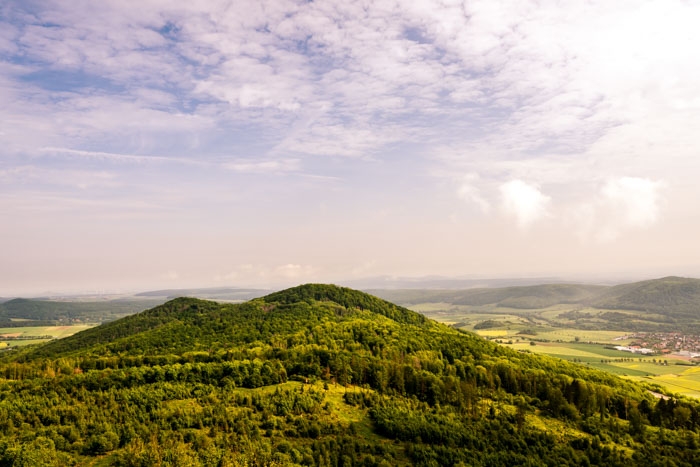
[675, 374]
[36, 334]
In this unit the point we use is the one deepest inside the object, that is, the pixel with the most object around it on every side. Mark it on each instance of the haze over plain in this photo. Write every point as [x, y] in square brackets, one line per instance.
[148, 144]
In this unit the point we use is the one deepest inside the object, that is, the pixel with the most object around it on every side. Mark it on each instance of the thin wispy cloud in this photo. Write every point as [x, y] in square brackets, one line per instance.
[108, 156]
[264, 166]
[621, 205]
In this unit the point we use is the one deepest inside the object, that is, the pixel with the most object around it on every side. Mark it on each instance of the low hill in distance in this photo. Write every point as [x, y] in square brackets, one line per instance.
[672, 296]
[525, 297]
[320, 375]
[26, 312]
[23, 312]
[222, 294]
[666, 304]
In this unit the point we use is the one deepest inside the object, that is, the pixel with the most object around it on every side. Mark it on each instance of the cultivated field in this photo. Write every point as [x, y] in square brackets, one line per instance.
[14, 337]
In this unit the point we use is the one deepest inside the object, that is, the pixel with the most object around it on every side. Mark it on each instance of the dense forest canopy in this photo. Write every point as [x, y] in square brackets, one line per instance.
[320, 375]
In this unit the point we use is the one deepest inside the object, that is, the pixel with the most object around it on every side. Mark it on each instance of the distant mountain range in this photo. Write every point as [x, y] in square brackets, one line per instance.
[232, 294]
[668, 294]
[675, 298]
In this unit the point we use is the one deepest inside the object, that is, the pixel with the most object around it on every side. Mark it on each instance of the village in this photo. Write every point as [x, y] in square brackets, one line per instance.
[662, 343]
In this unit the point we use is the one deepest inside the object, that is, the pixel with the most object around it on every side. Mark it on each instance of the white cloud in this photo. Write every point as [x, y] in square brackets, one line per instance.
[365, 268]
[188, 95]
[487, 70]
[267, 275]
[83, 179]
[109, 156]
[470, 193]
[525, 202]
[263, 166]
[293, 271]
[636, 200]
[622, 205]
[171, 275]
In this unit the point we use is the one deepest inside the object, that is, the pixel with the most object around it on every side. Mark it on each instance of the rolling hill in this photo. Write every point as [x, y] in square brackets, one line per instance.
[676, 297]
[666, 304]
[320, 375]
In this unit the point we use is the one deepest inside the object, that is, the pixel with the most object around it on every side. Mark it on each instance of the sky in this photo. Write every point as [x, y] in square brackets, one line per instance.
[151, 143]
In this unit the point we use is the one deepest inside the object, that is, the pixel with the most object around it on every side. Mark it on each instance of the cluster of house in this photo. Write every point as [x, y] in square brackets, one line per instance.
[676, 343]
[635, 349]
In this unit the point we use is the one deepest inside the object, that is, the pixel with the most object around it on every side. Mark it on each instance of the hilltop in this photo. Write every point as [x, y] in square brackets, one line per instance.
[320, 375]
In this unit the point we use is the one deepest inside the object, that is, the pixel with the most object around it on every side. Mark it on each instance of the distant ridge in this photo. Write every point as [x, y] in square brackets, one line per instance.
[445, 283]
[672, 297]
[210, 293]
[679, 296]
[535, 296]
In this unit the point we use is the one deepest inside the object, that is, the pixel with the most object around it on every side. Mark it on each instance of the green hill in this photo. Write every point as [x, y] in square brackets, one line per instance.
[675, 297]
[320, 375]
[666, 304]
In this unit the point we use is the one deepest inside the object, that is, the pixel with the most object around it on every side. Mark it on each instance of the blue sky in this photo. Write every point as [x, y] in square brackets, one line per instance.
[165, 144]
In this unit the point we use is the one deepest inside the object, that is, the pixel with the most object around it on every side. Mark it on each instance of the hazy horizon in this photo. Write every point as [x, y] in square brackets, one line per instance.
[263, 144]
[366, 283]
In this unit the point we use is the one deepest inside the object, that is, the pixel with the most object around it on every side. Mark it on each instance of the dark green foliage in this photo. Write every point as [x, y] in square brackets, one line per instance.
[193, 382]
[349, 299]
[488, 324]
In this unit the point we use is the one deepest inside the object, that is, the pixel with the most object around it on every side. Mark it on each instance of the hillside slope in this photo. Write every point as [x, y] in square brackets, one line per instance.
[676, 297]
[320, 375]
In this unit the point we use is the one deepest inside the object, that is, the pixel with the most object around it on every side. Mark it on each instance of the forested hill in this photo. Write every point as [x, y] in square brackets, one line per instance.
[677, 297]
[320, 375]
[348, 298]
[187, 324]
